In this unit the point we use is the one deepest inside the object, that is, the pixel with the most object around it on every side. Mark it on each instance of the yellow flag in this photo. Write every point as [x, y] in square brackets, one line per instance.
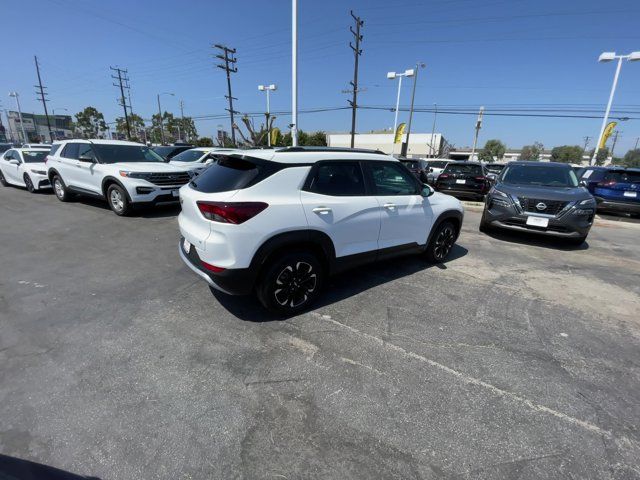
[608, 130]
[399, 132]
[275, 133]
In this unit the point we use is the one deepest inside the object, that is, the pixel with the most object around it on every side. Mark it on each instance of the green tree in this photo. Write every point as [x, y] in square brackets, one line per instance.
[532, 152]
[182, 128]
[602, 156]
[493, 149]
[168, 128]
[315, 139]
[632, 158]
[204, 142]
[90, 122]
[567, 154]
[136, 124]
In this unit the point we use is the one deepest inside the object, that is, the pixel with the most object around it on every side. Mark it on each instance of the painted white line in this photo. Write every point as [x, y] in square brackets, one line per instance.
[474, 381]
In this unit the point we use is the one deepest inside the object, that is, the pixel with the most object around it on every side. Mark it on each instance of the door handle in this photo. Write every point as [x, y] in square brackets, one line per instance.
[390, 206]
[322, 210]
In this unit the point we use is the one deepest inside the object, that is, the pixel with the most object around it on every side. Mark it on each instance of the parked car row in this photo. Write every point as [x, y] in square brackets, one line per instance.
[275, 222]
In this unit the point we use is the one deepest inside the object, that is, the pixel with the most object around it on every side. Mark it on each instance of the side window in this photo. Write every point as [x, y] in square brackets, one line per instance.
[337, 179]
[9, 155]
[390, 178]
[85, 150]
[54, 149]
[70, 151]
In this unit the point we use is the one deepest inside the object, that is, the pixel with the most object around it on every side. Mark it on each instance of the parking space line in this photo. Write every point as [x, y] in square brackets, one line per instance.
[474, 381]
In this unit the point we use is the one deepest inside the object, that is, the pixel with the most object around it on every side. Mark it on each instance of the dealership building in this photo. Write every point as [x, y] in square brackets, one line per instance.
[36, 128]
[420, 144]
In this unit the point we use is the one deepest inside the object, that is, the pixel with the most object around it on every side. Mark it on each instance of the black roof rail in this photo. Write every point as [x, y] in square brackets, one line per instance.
[330, 149]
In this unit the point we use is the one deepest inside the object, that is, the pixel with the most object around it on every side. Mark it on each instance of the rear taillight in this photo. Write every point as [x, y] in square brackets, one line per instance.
[481, 179]
[443, 175]
[610, 183]
[45, 159]
[231, 212]
[212, 268]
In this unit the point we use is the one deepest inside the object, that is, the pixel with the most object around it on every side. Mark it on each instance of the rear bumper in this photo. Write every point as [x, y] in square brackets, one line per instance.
[236, 281]
[618, 206]
[470, 191]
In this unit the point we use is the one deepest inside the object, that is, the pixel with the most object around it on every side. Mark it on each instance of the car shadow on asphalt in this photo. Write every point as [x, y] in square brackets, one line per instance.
[532, 239]
[339, 287]
[18, 469]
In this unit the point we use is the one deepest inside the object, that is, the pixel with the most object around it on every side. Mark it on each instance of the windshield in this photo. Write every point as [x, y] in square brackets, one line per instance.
[464, 169]
[34, 156]
[125, 153]
[495, 168]
[411, 163]
[543, 175]
[622, 176]
[188, 156]
[439, 164]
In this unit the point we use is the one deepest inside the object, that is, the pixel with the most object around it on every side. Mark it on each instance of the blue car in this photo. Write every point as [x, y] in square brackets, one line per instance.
[616, 189]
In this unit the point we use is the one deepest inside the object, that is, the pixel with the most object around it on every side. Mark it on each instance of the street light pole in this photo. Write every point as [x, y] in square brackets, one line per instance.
[608, 57]
[53, 113]
[405, 145]
[268, 89]
[24, 135]
[160, 116]
[433, 128]
[475, 138]
[391, 76]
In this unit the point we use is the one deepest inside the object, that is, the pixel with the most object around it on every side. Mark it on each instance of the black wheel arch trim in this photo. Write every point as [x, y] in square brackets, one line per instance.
[446, 215]
[108, 180]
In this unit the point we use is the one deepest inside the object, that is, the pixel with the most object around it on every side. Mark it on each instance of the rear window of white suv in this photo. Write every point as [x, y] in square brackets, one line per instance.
[226, 174]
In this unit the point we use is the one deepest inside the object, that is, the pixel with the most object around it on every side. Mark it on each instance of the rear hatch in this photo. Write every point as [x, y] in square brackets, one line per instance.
[619, 185]
[462, 177]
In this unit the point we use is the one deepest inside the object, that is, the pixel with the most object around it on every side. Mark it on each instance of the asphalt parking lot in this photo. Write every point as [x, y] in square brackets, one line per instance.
[515, 359]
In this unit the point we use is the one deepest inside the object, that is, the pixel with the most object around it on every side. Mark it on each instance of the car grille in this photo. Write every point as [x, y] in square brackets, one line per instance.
[553, 207]
[178, 178]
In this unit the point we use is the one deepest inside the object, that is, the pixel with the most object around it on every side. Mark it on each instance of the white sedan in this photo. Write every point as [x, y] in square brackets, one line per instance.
[199, 158]
[25, 167]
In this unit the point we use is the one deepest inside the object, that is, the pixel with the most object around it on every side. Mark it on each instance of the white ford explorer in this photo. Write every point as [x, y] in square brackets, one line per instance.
[278, 222]
[126, 174]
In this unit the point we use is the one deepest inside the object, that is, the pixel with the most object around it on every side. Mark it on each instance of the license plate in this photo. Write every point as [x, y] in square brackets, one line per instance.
[538, 221]
[186, 245]
[461, 181]
[630, 194]
[175, 193]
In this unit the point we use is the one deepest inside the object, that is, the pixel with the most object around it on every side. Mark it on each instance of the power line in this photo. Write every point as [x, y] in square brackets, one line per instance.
[43, 96]
[123, 102]
[229, 68]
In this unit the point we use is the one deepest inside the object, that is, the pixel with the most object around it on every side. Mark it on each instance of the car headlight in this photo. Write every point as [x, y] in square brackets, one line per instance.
[499, 193]
[39, 172]
[589, 202]
[142, 175]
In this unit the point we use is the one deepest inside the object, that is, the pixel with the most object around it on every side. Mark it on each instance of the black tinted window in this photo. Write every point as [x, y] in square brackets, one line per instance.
[227, 174]
[464, 169]
[625, 176]
[85, 150]
[539, 174]
[391, 178]
[338, 179]
[54, 149]
[117, 153]
[70, 151]
[34, 156]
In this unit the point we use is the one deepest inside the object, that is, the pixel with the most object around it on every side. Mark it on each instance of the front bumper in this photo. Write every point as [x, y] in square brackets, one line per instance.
[236, 281]
[567, 225]
[618, 206]
[40, 181]
[143, 192]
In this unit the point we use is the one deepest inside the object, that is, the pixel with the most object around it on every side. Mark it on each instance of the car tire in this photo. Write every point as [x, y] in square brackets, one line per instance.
[118, 200]
[60, 189]
[441, 243]
[3, 181]
[28, 183]
[290, 283]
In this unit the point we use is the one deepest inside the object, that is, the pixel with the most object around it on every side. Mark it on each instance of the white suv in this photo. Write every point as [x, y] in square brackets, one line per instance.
[278, 222]
[124, 173]
[199, 158]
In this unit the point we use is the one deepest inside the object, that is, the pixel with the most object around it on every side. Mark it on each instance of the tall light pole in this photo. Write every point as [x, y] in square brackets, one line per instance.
[24, 135]
[405, 145]
[391, 76]
[475, 137]
[433, 129]
[268, 89]
[182, 117]
[160, 115]
[608, 57]
[53, 113]
[294, 73]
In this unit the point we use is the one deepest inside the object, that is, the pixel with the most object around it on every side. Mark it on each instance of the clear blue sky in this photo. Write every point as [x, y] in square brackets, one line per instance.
[495, 53]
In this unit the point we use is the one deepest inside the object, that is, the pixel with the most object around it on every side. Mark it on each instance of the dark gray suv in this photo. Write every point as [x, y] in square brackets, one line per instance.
[544, 198]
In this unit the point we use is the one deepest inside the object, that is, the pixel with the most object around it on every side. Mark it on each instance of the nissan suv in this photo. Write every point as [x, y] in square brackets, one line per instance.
[540, 197]
[126, 174]
[278, 222]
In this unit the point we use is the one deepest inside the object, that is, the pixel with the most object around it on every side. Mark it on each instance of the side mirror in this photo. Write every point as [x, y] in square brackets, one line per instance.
[13, 161]
[86, 159]
[427, 190]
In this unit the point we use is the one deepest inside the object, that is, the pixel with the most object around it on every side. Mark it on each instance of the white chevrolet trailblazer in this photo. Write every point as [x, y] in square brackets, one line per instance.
[278, 222]
[126, 174]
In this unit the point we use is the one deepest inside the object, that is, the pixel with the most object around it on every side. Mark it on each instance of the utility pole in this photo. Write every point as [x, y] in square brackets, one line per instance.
[475, 138]
[356, 53]
[24, 134]
[635, 148]
[405, 145]
[613, 145]
[586, 143]
[43, 98]
[433, 130]
[294, 73]
[228, 59]
[182, 115]
[123, 101]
